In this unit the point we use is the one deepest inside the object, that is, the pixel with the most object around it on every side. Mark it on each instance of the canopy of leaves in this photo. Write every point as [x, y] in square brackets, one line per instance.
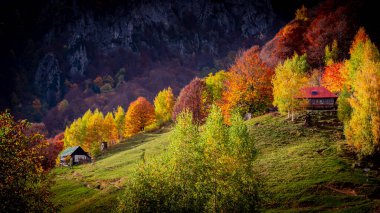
[323, 30]
[204, 169]
[215, 85]
[111, 131]
[163, 105]
[248, 86]
[332, 78]
[90, 130]
[331, 53]
[289, 78]
[24, 186]
[139, 115]
[119, 116]
[360, 108]
[193, 97]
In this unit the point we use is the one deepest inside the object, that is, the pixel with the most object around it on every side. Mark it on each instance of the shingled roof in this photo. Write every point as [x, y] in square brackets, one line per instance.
[316, 92]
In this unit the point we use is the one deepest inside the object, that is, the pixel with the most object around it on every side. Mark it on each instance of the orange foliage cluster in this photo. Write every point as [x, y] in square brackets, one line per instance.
[332, 77]
[248, 85]
[360, 37]
[139, 115]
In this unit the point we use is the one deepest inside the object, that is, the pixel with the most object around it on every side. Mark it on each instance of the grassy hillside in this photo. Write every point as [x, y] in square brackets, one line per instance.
[95, 187]
[300, 169]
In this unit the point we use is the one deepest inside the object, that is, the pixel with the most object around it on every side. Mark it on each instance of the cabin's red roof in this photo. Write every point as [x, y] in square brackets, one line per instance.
[316, 92]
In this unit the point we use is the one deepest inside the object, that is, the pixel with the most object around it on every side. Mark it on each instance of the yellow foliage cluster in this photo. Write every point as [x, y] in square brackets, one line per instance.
[359, 105]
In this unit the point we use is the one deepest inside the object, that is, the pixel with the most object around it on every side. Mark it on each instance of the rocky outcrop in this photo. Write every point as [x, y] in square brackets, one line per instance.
[158, 44]
[48, 79]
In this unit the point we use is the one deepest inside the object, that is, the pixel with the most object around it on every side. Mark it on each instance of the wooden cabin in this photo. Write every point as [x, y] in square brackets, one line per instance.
[317, 98]
[77, 156]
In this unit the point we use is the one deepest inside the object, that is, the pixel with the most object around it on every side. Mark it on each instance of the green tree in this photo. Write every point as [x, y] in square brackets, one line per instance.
[201, 171]
[215, 85]
[331, 53]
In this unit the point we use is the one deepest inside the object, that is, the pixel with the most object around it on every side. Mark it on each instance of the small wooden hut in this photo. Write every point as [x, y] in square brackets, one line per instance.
[318, 98]
[76, 155]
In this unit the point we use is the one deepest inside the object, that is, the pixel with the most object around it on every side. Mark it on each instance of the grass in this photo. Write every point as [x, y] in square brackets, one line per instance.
[304, 170]
[300, 170]
[95, 187]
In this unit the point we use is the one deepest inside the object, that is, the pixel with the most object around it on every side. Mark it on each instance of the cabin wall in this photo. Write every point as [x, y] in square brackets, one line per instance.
[78, 158]
[322, 101]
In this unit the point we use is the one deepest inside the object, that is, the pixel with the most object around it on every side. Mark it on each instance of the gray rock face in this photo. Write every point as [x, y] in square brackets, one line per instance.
[48, 79]
[143, 34]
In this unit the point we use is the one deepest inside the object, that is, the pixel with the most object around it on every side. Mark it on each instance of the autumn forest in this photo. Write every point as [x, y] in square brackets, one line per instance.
[288, 121]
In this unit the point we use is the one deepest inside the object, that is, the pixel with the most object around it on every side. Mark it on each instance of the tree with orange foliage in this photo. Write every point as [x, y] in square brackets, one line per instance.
[139, 115]
[332, 77]
[360, 38]
[111, 131]
[248, 85]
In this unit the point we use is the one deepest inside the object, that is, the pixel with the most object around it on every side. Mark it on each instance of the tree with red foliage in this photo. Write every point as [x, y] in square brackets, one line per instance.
[332, 77]
[140, 114]
[288, 40]
[51, 152]
[248, 85]
[323, 30]
[24, 185]
[193, 97]
[51, 147]
[37, 128]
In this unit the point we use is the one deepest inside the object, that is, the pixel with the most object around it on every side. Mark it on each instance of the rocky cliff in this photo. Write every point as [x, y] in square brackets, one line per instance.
[135, 47]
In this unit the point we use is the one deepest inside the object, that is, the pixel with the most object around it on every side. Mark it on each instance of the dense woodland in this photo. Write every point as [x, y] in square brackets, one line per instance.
[208, 164]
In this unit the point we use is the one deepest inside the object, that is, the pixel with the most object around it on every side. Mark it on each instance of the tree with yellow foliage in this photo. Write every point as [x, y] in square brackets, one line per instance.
[362, 128]
[119, 116]
[76, 133]
[215, 84]
[163, 105]
[139, 115]
[95, 133]
[289, 78]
